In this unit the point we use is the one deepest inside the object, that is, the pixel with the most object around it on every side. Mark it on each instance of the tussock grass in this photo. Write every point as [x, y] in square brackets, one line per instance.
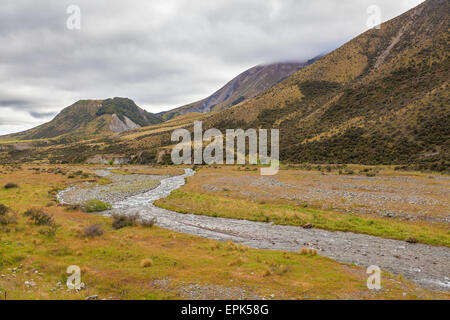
[92, 231]
[308, 251]
[146, 263]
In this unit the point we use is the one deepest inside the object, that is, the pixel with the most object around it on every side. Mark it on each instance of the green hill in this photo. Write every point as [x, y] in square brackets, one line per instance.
[91, 118]
[382, 98]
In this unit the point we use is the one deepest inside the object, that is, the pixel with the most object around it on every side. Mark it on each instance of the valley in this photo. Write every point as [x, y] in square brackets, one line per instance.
[234, 269]
[359, 137]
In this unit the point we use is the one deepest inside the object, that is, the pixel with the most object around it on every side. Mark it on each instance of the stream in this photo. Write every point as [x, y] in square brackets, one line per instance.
[426, 265]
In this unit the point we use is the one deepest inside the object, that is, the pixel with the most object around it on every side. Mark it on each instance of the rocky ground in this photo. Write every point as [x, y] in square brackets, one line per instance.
[402, 197]
[120, 188]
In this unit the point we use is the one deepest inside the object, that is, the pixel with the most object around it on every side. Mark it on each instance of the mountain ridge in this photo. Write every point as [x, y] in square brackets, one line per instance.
[244, 86]
[380, 98]
[91, 117]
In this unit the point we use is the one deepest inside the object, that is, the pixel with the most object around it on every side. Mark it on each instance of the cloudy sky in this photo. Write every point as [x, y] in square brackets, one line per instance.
[160, 53]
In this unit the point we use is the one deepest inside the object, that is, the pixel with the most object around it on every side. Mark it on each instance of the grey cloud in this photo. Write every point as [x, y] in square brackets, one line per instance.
[160, 53]
[15, 103]
[41, 115]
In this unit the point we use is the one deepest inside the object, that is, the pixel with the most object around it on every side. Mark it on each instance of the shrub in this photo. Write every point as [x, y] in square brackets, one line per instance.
[122, 221]
[412, 240]
[148, 223]
[11, 185]
[39, 217]
[95, 205]
[92, 231]
[146, 263]
[6, 217]
[74, 207]
[49, 231]
[3, 209]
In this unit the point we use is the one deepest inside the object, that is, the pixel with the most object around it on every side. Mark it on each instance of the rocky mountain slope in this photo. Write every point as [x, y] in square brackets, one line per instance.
[246, 85]
[381, 98]
[91, 118]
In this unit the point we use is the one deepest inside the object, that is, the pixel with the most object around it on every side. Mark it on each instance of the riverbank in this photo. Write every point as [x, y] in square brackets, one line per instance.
[424, 264]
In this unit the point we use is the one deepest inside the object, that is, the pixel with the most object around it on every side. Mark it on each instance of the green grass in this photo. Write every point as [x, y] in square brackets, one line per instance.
[135, 186]
[217, 206]
[103, 181]
[95, 205]
[17, 141]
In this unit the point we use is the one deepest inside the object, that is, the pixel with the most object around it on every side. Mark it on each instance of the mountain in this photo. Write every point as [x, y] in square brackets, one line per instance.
[382, 98]
[246, 85]
[91, 117]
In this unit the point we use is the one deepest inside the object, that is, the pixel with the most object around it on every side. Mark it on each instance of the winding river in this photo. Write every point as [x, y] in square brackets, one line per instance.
[427, 266]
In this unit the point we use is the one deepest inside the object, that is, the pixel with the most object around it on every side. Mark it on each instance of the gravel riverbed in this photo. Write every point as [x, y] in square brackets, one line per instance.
[426, 265]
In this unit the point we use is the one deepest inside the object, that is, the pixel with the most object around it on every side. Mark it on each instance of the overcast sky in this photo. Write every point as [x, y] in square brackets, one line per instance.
[160, 53]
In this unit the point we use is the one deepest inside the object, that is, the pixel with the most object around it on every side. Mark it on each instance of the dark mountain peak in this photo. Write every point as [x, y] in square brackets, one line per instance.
[126, 108]
[246, 85]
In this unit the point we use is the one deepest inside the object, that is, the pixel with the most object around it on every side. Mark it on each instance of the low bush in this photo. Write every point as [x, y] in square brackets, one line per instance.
[412, 240]
[122, 221]
[3, 209]
[92, 231]
[6, 216]
[49, 231]
[148, 223]
[11, 185]
[73, 207]
[39, 217]
[95, 205]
